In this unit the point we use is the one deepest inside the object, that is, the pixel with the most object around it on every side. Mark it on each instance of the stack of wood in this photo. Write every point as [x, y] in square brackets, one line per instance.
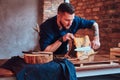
[115, 52]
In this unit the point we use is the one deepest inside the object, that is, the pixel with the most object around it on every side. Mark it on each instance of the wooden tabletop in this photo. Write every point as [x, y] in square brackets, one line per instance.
[92, 63]
[96, 62]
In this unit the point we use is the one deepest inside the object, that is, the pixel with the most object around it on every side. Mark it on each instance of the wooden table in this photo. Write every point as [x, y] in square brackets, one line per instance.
[93, 66]
[96, 65]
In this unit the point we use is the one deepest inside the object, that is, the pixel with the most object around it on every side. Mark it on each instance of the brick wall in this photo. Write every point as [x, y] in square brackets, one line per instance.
[107, 14]
[50, 8]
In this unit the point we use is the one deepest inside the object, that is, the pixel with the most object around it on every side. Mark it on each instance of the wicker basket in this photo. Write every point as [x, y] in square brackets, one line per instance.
[38, 57]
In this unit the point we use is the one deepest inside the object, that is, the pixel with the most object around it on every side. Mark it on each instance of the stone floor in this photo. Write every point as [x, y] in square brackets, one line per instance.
[104, 77]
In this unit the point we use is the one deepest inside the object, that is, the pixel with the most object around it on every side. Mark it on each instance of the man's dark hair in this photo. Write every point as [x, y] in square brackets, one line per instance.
[66, 7]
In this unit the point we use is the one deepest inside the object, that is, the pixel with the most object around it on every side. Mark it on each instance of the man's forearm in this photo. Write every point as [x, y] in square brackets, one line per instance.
[96, 30]
[96, 40]
[53, 47]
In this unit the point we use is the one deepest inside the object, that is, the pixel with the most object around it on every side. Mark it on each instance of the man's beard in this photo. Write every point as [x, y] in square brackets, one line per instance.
[63, 27]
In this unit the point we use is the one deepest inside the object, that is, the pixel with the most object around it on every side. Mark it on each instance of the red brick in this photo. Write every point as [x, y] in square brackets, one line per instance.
[109, 2]
[111, 11]
[96, 9]
[96, 17]
[115, 35]
[117, 0]
[80, 4]
[88, 10]
[99, 4]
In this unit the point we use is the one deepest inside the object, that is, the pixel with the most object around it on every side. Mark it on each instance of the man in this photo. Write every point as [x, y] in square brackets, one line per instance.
[58, 30]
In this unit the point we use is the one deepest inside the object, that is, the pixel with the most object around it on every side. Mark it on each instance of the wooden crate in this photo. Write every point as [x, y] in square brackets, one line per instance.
[114, 52]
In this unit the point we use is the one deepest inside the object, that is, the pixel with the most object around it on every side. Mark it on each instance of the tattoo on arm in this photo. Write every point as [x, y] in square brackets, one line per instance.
[96, 30]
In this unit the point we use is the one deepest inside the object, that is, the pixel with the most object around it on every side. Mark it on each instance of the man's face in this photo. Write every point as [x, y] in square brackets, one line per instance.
[66, 20]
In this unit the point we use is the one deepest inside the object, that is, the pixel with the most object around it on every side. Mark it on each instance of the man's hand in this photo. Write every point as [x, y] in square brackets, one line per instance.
[96, 43]
[68, 36]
